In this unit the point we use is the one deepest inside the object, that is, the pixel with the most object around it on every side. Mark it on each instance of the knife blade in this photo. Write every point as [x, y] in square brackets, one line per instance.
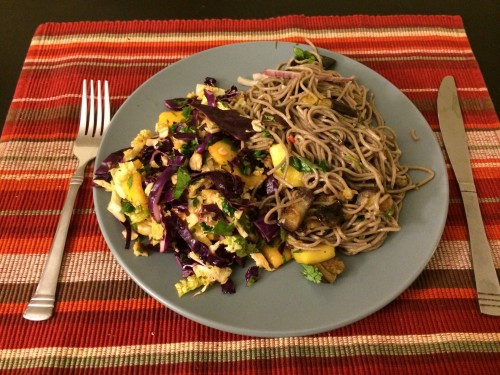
[455, 141]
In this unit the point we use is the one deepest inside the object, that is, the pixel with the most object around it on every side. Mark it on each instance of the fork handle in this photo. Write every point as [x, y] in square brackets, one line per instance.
[41, 305]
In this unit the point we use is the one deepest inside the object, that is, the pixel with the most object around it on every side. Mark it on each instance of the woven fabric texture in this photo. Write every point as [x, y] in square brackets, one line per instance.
[104, 323]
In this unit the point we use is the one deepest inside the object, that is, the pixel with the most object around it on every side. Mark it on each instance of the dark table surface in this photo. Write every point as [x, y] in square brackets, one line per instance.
[20, 18]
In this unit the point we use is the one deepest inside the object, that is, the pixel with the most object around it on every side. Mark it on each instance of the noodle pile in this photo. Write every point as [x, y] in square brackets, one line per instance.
[332, 121]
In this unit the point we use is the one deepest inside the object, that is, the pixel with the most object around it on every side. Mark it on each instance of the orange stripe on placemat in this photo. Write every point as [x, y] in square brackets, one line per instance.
[438, 293]
[150, 303]
[39, 242]
[89, 305]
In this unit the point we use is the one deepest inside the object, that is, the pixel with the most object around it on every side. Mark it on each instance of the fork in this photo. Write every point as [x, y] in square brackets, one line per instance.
[92, 127]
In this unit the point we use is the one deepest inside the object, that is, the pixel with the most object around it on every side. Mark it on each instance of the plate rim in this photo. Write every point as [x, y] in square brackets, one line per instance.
[277, 333]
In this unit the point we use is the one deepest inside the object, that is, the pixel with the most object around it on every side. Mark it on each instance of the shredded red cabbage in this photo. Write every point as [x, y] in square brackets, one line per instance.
[268, 231]
[230, 121]
[228, 287]
[110, 162]
[157, 190]
[251, 275]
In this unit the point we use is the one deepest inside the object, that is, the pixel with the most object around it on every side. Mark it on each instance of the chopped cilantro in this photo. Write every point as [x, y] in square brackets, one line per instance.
[245, 167]
[283, 234]
[247, 248]
[302, 55]
[189, 148]
[130, 181]
[127, 207]
[187, 130]
[183, 180]
[227, 208]
[145, 169]
[240, 246]
[259, 154]
[312, 273]
[304, 165]
[355, 160]
[186, 113]
[265, 134]
[323, 166]
[180, 102]
[206, 228]
[222, 228]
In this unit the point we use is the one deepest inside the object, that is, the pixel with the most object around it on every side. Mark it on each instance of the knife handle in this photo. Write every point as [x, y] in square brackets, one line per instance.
[487, 285]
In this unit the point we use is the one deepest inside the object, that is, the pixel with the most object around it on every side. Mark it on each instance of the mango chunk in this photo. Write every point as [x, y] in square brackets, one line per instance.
[167, 119]
[134, 191]
[252, 180]
[314, 255]
[273, 256]
[222, 152]
[293, 176]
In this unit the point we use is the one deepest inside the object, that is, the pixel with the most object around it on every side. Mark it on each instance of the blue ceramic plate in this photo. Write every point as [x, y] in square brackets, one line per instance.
[283, 303]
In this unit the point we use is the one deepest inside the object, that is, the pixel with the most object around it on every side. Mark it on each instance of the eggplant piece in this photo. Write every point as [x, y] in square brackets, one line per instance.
[331, 214]
[292, 216]
[330, 269]
[328, 62]
[344, 109]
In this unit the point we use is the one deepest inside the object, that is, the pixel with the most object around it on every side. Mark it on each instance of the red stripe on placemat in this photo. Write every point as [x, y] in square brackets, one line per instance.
[413, 52]
[110, 327]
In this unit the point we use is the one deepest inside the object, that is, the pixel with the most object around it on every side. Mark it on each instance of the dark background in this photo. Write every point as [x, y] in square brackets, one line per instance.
[20, 18]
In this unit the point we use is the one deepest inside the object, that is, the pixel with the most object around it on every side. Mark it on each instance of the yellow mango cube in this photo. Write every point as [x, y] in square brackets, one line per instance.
[134, 191]
[222, 152]
[252, 180]
[293, 176]
[273, 256]
[314, 255]
[167, 119]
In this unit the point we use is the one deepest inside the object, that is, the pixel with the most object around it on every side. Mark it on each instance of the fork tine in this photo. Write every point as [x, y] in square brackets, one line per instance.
[97, 131]
[107, 108]
[83, 112]
[90, 129]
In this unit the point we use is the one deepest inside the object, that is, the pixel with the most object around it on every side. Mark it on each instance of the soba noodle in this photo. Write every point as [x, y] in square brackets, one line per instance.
[325, 118]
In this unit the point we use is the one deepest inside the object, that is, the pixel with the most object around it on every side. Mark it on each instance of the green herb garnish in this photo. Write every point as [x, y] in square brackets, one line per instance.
[130, 181]
[186, 113]
[183, 180]
[312, 273]
[265, 134]
[259, 154]
[189, 148]
[283, 234]
[245, 167]
[304, 165]
[222, 228]
[227, 208]
[355, 160]
[126, 207]
[302, 55]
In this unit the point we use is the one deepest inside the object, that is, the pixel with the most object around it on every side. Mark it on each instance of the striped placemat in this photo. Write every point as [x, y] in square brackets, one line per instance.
[105, 323]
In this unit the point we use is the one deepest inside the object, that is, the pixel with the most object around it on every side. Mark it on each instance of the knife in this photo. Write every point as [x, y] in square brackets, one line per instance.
[454, 137]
